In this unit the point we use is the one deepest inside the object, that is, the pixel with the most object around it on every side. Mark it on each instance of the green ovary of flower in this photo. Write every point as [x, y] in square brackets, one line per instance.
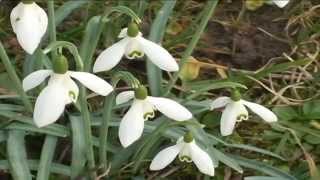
[188, 137]
[27, 1]
[133, 29]
[141, 93]
[60, 65]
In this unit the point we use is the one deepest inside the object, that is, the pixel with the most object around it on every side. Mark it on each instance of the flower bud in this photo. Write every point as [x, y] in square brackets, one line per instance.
[188, 137]
[190, 70]
[60, 65]
[141, 93]
[235, 95]
[133, 29]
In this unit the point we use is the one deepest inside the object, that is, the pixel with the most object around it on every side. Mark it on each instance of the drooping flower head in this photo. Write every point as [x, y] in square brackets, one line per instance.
[142, 108]
[61, 90]
[188, 151]
[235, 111]
[133, 45]
[29, 22]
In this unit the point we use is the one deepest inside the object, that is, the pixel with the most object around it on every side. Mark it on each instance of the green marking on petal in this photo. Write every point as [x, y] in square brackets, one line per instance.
[242, 117]
[18, 19]
[135, 54]
[185, 159]
[72, 95]
[148, 115]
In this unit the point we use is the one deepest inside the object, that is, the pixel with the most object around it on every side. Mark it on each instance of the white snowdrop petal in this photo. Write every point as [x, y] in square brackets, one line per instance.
[220, 102]
[42, 18]
[261, 111]
[158, 55]
[111, 56]
[35, 78]
[170, 108]
[49, 105]
[131, 125]
[123, 33]
[201, 159]
[281, 3]
[164, 157]
[133, 49]
[16, 11]
[229, 118]
[93, 82]
[124, 97]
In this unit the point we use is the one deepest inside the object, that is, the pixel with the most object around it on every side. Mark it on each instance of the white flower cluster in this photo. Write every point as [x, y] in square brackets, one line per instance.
[29, 22]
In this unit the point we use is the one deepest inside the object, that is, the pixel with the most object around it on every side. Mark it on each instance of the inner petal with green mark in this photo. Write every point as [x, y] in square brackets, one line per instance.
[242, 117]
[148, 111]
[73, 96]
[135, 54]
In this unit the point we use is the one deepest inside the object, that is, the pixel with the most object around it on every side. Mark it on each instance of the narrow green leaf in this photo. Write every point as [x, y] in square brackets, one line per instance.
[47, 155]
[34, 165]
[66, 9]
[90, 40]
[17, 156]
[262, 167]
[263, 178]
[156, 34]
[104, 129]
[206, 15]
[53, 129]
[79, 146]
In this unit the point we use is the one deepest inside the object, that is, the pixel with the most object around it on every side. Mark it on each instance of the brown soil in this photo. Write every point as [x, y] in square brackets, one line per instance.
[244, 45]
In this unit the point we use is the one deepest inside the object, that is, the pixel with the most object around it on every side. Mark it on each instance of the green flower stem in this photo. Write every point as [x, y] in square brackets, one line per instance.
[106, 118]
[207, 13]
[14, 78]
[52, 26]
[88, 133]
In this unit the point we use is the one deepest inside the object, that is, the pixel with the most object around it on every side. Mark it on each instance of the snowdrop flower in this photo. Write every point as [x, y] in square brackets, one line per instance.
[142, 108]
[61, 90]
[133, 45]
[29, 22]
[235, 110]
[188, 151]
[280, 3]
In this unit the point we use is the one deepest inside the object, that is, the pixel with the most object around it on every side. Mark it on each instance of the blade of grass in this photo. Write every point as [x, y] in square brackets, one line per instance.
[17, 156]
[206, 15]
[156, 34]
